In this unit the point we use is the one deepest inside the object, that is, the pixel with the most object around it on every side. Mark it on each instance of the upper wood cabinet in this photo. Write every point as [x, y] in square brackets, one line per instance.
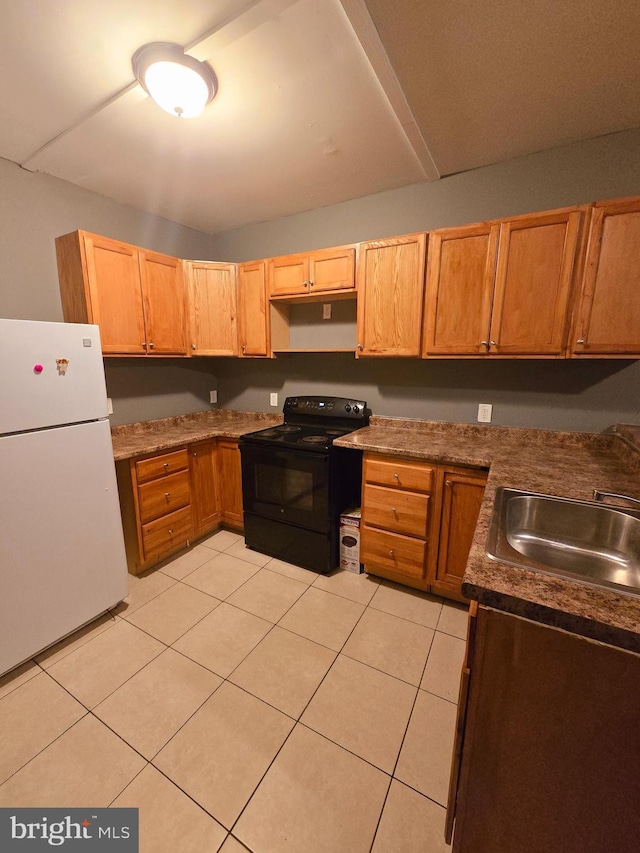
[253, 327]
[390, 289]
[327, 270]
[536, 257]
[461, 266]
[164, 303]
[501, 288]
[608, 313]
[212, 308]
[137, 297]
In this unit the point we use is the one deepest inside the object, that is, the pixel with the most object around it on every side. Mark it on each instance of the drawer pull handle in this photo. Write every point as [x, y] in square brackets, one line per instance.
[166, 464]
[170, 532]
[167, 495]
[391, 554]
[396, 477]
[580, 341]
[393, 510]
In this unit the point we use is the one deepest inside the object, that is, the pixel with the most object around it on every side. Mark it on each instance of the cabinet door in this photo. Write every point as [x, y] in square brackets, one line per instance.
[609, 310]
[230, 471]
[332, 269]
[212, 309]
[288, 275]
[536, 256]
[116, 295]
[461, 266]
[252, 309]
[205, 499]
[390, 289]
[461, 498]
[164, 303]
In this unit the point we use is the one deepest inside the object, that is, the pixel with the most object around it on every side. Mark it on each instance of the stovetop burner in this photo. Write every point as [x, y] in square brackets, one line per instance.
[316, 439]
[287, 428]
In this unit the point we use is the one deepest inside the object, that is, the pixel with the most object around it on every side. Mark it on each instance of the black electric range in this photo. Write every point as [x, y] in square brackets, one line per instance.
[295, 483]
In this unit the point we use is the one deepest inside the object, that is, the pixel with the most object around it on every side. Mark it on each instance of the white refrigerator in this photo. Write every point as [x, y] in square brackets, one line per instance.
[62, 557]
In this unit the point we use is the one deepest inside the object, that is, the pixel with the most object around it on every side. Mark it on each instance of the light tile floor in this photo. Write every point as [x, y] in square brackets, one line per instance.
[242, 703]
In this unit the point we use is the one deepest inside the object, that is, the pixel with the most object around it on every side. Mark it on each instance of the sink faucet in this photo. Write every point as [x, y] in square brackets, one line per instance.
[599, 495]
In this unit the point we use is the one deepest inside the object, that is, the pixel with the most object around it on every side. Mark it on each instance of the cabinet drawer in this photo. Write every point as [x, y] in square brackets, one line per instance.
[167, 532]
[388, 471]
[167, 494]
[393, 552]
[395, 510]
[157, 466]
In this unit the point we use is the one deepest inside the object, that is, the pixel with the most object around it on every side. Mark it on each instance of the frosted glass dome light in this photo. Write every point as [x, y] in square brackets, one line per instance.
[180, 84]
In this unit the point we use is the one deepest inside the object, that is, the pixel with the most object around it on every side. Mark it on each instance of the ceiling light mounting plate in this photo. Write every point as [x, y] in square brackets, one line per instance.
[177, 82]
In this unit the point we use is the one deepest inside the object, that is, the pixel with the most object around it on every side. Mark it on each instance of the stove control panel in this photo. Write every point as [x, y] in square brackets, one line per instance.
[335, 407]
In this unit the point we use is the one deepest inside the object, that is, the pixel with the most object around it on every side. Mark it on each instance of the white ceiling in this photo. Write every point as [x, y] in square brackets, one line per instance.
[319, 100]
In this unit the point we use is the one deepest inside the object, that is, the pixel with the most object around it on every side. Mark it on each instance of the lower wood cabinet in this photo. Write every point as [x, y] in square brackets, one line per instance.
[168, 499]
[418, 521]
[546, 752]
[230, 471]
[462, 493]
[203, 466]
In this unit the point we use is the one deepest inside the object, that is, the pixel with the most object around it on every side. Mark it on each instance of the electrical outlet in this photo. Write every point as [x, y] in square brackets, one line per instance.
[213, 396]
[484, 413]
[109, 406]
[273, 399]
[326, 311]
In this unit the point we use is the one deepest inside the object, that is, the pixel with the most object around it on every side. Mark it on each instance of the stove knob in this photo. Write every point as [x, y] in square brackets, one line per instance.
[355, 410]
[347, 408]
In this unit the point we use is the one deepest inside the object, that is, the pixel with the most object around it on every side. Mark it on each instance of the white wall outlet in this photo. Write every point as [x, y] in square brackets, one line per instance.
[326, 311]
[484, 413]
[273, 399]
[109, 406]
[213, 396]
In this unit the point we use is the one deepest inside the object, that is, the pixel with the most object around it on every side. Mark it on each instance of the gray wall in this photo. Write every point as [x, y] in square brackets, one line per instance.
[587, 396]
[34, 210]
[601, 168]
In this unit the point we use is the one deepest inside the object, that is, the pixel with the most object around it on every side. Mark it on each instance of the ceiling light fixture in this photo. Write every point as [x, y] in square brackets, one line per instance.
[180, 84]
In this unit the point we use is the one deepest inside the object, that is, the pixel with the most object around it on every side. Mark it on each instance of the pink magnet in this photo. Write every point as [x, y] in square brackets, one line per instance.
[38, 368]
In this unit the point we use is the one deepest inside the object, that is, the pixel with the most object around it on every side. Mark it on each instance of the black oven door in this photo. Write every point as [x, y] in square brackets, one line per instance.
[287, 485]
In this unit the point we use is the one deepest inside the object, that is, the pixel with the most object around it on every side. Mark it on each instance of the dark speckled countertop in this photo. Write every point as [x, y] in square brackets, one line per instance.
[131, 440]
[566, 464]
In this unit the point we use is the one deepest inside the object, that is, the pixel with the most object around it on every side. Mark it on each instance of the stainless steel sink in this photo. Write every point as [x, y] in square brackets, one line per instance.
[587, 541]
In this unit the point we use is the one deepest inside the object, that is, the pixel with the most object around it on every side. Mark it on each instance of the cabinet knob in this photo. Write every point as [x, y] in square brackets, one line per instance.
[151, 345]
[493, 343]
[310, 283]
[143, 344]
[484, 343]
[448, 484]
[305, 284]
[195, 452]
[580, 341]
[193, 346]
[167, 495]
[392, 554]
[360, 346]
[244, 348]
[396, 477]
[166, 464]
[170, 532]
[393, 510]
